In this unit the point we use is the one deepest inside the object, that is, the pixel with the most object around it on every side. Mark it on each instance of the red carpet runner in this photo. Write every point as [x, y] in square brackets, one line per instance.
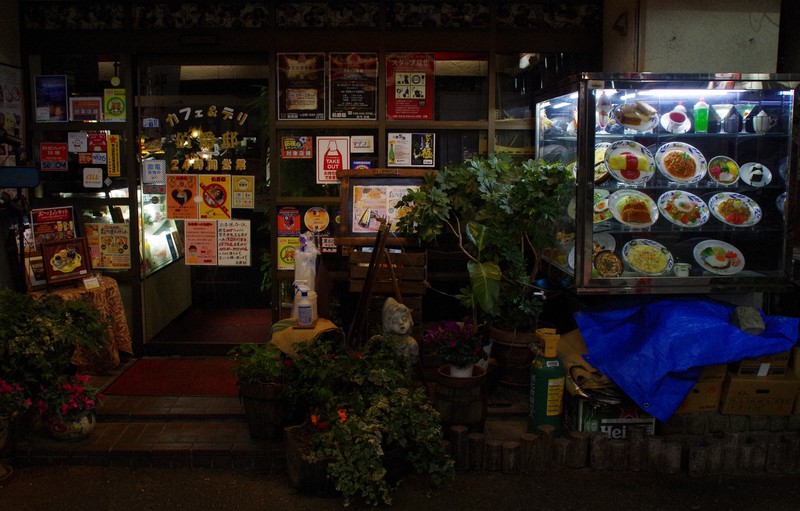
[176, 377]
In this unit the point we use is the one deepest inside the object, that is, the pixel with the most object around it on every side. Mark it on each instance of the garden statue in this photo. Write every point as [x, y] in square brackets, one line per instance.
[397, 325]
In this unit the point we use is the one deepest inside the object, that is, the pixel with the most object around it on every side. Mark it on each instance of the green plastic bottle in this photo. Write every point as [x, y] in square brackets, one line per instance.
[700, 113]
[547, 384]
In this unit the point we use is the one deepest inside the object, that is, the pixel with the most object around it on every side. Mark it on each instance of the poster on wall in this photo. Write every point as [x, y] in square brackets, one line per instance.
[114, 105]
[50, 224]
[201, 242]
[409, 86]
[215, 196]
[333, 154]
[51, 98]
[297, 148]
[286, 249]
[12, 115]
[301, 86]
[181, 193]
[109, 245]
[353, 86]
[53, 156]
[85, 109]
[233, 243]
[411, 149]
[244, 192]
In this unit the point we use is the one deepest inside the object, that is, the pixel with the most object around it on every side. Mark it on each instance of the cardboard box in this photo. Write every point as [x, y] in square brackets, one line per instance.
[704, 397]
[759, 395]
[581, 415]
[768, 365]
[796, 359]
[713, 373]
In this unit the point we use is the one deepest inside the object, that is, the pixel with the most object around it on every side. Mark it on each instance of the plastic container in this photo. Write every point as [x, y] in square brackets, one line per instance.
[700, 113]
[547, 384]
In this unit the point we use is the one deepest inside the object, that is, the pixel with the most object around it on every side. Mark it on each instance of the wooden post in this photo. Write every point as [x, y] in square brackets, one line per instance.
[528, 449]
[673, 452]
[510, 453]
[560, 447]
[578, 449]
[600, 452]
[475, 445]
[637, 448]
[546, 434]
[619, 454]
[458, 442]
[493, 460]
[655, 453]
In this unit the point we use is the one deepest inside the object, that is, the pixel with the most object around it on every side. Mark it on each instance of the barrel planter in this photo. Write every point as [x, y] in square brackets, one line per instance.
[513, 354]
[461, 401]
[305, 476]
[264, 409]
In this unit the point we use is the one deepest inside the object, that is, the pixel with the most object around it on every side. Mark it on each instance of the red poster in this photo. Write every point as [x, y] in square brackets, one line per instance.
[409, 86]
[53, 156]
[181, 195]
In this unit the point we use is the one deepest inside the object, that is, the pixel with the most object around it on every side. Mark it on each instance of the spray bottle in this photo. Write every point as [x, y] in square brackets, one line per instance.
[305, 316]
[547, 384]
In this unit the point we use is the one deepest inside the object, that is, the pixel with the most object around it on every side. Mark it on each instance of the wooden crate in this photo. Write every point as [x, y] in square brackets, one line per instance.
[410, 269]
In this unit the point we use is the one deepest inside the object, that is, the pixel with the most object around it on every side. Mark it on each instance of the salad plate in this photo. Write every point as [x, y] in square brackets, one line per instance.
[723, 170]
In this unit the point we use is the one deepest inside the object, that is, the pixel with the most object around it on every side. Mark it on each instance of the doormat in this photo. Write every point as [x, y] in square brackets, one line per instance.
[176, 377]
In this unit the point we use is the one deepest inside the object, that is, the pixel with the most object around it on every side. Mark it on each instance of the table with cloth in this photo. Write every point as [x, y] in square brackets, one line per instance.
[107, 299]
[285, 334]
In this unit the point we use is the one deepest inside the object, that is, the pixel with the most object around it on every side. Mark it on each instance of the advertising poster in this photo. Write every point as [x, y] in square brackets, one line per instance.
[333, 154]
[286, 249]
[411, 150]
[215, 196]
[50, 224]
[85, 109]
[51, 98]
[109, 245]
[380, 200]
[66, 260]
[362, 144]
[201, 242]
[92, 177]
[77, 142]
[294, 148]
[181, 192]
[288, 221]
[244, 192]
[409, 86]
[233, 243]
[301, 86]
[12, 115]
[53, 156]
[114, 105]
[353, 86]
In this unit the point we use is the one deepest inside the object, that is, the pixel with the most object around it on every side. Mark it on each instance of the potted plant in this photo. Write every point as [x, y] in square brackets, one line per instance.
[68, 407]
[260, 371]
[459, 344]
[365, 422]
[500, 214]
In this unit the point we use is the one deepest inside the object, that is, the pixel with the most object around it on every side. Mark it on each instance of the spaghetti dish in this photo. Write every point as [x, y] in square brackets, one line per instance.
[647, 259]
[680, 164]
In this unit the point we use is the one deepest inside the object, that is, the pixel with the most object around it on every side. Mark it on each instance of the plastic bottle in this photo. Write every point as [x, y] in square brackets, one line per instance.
[305, 314]
[700, 113]
[547, 384]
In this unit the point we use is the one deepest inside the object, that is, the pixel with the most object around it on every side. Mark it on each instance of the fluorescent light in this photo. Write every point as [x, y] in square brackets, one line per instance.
[676, 93]
[562, 104]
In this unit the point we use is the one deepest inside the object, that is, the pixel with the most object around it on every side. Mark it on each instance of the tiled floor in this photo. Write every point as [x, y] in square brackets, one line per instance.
[185, 431]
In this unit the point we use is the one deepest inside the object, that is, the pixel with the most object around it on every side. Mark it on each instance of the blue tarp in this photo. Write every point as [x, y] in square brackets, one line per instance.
[654, 350]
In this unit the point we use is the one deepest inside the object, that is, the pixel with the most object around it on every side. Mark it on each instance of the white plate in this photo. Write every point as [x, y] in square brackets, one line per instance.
[601, 212]
[746, 173]
[733, 169]
[691, 151]
[627, 113]
[618, 199]
[683, 128]
[678, 202]
[571, 258]
[717, 200]
[603, 241]
[620, 148]
[718, 257]
[653, 251]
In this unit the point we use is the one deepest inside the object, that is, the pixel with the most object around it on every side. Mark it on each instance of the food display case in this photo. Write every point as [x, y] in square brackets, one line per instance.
[684, 183]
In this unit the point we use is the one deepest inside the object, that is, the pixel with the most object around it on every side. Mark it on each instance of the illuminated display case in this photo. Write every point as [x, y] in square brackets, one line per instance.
[683, 183]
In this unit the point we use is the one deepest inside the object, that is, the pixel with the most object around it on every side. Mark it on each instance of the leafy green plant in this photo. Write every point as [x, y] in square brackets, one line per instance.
[256, 364]
[363, 416]
[39, 337]
[501, 215]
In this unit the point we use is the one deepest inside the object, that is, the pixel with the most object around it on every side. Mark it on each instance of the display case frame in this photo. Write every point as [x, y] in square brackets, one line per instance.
[766, 245]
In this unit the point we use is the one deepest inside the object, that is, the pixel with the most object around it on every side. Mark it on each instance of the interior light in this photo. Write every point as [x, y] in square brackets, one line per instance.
[675, 93]
[562, 104]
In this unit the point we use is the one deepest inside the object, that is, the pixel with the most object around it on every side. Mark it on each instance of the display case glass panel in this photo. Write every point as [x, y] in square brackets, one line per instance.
[683, 182]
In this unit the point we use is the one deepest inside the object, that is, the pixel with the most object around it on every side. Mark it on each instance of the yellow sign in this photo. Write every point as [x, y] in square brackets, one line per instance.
[112, 148]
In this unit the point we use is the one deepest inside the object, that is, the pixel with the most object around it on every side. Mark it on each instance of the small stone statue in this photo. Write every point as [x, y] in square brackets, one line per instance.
[397, 325]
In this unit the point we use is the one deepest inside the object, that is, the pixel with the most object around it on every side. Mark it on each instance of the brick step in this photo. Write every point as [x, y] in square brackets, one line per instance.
[169, 408]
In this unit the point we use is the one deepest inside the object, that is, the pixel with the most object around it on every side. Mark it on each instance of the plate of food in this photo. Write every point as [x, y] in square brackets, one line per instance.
[723, 170]
[681, 162]
[607, 264]
[637, 116]
[603, 241]
[630, 162]
[755, 174]
[683, 209]
[633, 208]
[718, 257]
[647, 256]
[600, 170]
[601, 211]
[735, 209]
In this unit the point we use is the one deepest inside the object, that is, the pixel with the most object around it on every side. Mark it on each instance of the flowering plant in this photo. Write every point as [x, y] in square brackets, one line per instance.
[12, 398]
[256, 364]
[457, 343]
[69, 399]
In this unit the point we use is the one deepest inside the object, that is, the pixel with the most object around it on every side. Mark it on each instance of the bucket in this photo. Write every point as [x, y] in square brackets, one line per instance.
[461, 401]
[512, 352]
[264, 409]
